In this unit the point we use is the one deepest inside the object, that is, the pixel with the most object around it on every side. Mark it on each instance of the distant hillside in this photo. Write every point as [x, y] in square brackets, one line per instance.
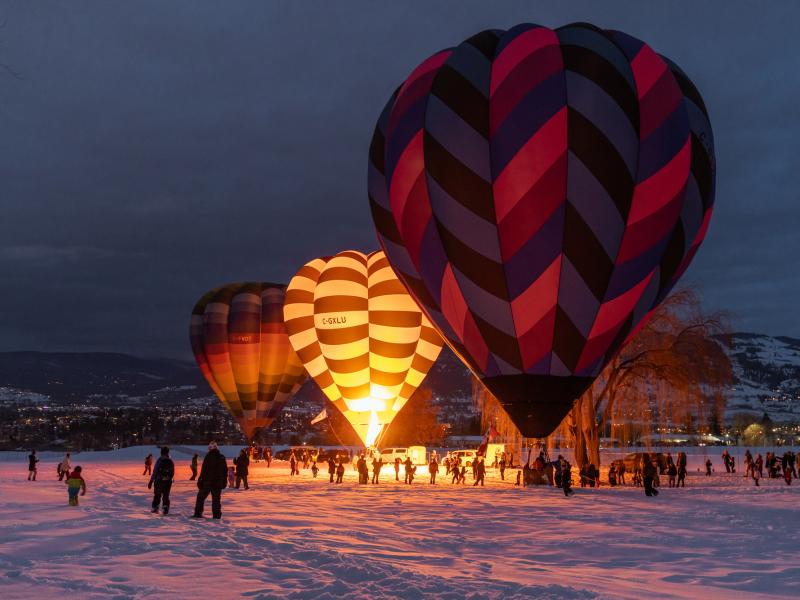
[97, 376]
[767, 371]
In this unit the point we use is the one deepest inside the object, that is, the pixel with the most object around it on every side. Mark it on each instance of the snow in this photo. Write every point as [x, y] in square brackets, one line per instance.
[720, 537]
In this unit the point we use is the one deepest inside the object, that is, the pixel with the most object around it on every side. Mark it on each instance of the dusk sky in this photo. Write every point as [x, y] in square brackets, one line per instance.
[152, 150]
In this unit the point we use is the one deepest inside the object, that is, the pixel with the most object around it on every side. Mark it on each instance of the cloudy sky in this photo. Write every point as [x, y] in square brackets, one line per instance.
[151, 150]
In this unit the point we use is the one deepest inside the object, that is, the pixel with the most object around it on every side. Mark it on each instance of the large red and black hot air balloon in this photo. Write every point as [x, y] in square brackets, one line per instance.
[239, 340]
[539, 192]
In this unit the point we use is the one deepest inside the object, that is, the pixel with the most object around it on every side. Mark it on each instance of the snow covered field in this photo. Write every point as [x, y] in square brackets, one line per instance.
[303, 538]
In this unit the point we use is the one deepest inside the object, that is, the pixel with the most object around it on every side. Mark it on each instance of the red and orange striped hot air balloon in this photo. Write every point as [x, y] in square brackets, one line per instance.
[360, 336]
[241, 346]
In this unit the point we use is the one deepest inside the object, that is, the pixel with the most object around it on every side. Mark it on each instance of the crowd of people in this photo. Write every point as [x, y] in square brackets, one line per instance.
[776, 467]
[214, 474]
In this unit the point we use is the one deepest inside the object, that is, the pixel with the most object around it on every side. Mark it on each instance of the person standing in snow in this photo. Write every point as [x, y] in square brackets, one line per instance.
[748, 463]
[456, 470]
[293, 465]
[681, 472]
[433, 469]
[612, 475]
[66, 465]
[649, 473]
[75, 483]
[672, 473]
[161, 481]
[363, 471]
[397, 469]
[331, 467]
[566, 476]
[409, 470]
[212, 481]
[726, 460]
[148, 465]
[557, 471]
[242, 463]
[708, 467]
[32, 460]
[479, 471]
[377, 464]
[268, 456]
[502, 465]
[339, 472]
[193, 467]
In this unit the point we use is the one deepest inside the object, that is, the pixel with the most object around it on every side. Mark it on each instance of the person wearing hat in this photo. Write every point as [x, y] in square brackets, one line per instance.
[212, 480]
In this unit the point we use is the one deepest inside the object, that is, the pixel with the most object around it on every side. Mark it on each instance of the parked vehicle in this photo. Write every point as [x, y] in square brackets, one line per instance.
[495, 451]
[418, 454]
[633, 461]
[336, 453]
[298, 452]
[467, 456]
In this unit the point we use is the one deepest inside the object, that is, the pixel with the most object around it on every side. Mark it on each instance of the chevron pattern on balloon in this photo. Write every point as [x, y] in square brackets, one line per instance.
[539, 192]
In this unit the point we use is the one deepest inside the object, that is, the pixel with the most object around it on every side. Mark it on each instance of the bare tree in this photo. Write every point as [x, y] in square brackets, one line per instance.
[416, 423]
[674, 369]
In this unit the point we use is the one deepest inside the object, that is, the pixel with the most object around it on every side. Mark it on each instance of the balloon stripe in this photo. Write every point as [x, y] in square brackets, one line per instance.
[365, 337]
[242, 349]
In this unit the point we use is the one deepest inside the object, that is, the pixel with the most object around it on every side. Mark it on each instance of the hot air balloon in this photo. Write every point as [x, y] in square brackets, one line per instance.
[539, 192]
[241, 346]
[360, 336]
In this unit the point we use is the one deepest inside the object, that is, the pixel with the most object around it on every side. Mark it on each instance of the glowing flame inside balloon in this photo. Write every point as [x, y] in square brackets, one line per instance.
[373, 430]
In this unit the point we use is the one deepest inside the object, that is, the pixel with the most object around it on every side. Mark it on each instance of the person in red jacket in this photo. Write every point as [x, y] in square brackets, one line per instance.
[75, 484]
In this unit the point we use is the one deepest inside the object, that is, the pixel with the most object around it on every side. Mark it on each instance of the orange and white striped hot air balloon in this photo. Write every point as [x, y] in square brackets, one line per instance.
[241, 346]
[361, 336]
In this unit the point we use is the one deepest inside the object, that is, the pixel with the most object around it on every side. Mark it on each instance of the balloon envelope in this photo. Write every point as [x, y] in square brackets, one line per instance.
[241, 346]
[539, 192]
[360, 336]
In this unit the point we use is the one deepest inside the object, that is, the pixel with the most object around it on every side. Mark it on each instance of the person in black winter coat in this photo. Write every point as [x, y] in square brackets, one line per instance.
[212, 480]
[242, 463]
[32, 460]
[331, 468]
[479, 468]
[363, 471]
[161, 481]
[409, 470]
[649, 473]
[566, 476]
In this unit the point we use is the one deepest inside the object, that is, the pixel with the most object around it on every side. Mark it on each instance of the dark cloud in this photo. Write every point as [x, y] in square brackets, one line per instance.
[155, 149]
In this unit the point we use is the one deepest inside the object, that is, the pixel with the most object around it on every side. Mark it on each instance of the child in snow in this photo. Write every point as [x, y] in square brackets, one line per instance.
[231, 476]
[708, 467]
[314, 469]
[75, 484]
